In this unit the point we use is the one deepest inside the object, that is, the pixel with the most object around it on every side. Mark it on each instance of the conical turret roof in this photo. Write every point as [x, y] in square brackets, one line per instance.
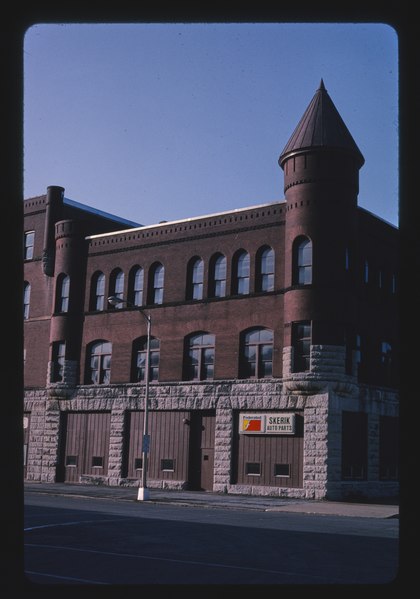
[321, 126]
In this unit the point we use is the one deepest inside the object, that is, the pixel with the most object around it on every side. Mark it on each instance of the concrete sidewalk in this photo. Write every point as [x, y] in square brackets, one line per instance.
[218, 500]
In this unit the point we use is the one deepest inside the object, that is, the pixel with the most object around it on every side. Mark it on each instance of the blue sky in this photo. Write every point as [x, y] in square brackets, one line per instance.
[168, 121]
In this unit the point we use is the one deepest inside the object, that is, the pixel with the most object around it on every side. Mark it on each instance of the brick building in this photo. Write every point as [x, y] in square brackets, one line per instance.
[274, 339]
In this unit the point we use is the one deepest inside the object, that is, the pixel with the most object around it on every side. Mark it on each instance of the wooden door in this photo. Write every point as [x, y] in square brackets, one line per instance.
[201, 462]
[207, 469]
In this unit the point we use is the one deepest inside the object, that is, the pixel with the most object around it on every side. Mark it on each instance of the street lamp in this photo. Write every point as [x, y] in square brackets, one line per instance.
[143, 492]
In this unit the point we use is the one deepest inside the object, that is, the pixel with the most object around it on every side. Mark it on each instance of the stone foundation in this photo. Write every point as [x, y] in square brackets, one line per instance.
[321, 415]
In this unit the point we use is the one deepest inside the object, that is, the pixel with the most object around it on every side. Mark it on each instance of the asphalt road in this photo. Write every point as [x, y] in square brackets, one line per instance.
[88, 541]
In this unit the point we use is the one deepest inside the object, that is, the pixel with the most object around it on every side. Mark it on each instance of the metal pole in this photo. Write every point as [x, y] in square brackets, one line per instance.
[143, 492]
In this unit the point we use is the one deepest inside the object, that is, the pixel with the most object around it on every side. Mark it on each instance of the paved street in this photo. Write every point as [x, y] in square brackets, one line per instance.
[98, 541]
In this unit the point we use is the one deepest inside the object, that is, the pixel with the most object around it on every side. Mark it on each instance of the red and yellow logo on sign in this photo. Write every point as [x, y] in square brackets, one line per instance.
[251, 424]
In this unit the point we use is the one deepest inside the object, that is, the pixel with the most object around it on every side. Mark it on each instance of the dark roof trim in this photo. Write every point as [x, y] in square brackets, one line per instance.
[101, 213]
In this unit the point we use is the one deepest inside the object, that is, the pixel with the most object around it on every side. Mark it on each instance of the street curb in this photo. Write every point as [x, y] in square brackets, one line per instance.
[228, 502]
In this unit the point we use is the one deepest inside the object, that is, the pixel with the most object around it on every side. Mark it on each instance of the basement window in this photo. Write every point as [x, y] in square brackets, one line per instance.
[71, 460]
[167, 465]
[138, 464]
[253, 468]
[97, 461]
[281, 469]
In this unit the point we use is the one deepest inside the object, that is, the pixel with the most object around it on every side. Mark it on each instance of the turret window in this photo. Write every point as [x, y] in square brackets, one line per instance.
[302, 261]
[63, 292]
[301, 342]
[58, 357]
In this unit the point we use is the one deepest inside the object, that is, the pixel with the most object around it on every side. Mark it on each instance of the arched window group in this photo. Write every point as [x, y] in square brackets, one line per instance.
[98, 293]
[240, 277]
[199, 357]
[240, 283]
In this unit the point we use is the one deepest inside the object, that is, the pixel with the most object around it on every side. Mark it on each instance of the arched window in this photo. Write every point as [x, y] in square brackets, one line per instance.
[62, 293]
[241, 272]
[116, 287]
[217, 279]
[199, 357]
[98, 371]
[265, 269]
[138, 371]
[58, 355]
[302, 261]
[136, 286]
[256, 353]
[157, 276]
[97, 295]
[26, 300]
[195, 278]
[29, 245]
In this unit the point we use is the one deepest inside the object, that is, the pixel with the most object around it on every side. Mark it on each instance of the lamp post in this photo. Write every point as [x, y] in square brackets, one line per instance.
[143, 492]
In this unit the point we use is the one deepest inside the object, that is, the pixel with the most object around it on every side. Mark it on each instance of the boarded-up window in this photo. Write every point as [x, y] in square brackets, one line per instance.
[268, 460]
[86, 444]
[388, 448]
[354, 446]
[169, 437]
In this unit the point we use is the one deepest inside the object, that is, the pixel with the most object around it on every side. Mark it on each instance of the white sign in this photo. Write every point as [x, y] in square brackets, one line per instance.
[267, 423]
